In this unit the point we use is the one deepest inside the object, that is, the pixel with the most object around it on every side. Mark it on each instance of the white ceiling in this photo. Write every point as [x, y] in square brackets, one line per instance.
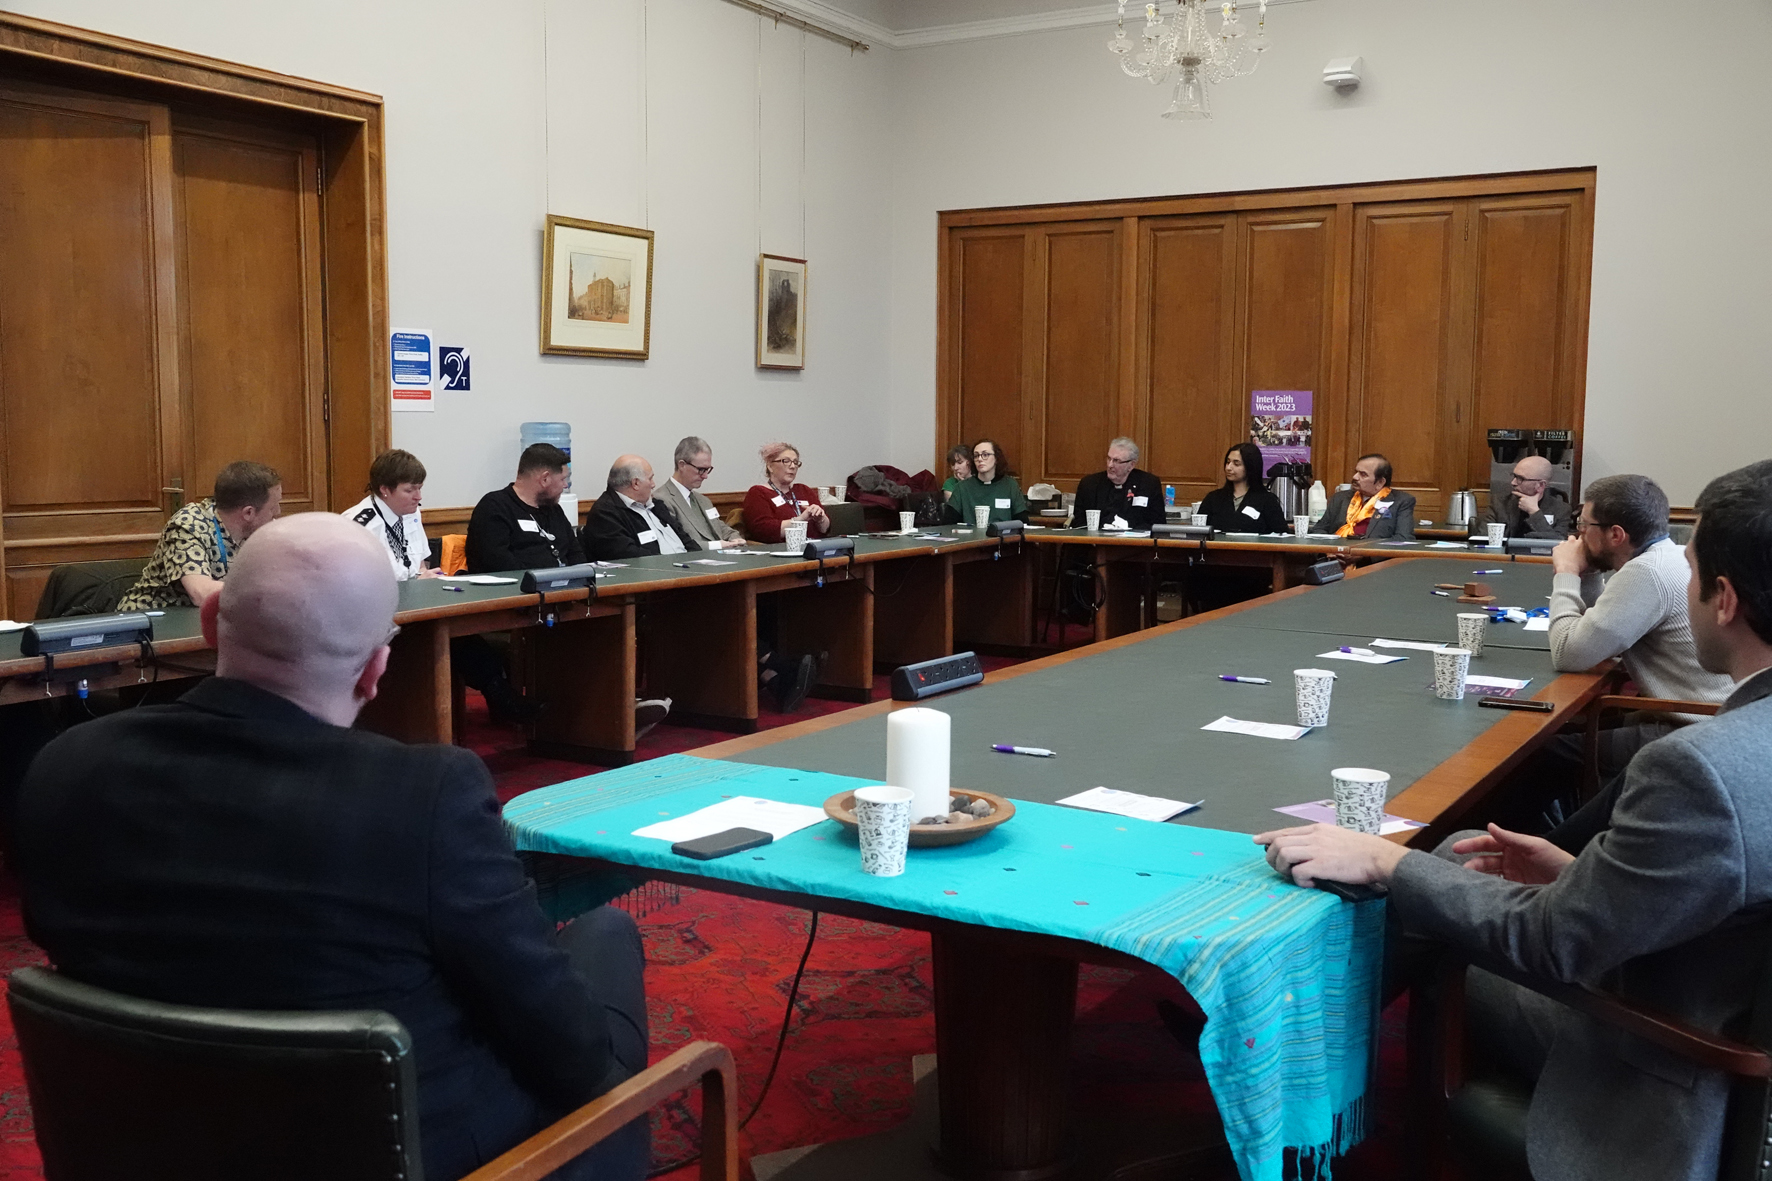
[903, 15]
[905, 24]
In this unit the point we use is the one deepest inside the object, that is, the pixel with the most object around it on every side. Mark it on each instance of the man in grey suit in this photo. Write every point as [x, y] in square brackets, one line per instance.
[695, 512]
[1666, 907]
[1370, 509]
[1532, 508]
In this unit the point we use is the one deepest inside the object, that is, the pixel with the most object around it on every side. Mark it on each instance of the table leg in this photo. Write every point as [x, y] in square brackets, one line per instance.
[913, 610]
[837, 619]
[700, 650]
[1002, 1032]
[584, 670]
[994, 598]
[414, 701]
[1125, 582]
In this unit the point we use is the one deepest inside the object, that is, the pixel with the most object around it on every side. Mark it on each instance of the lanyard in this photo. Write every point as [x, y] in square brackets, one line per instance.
[396, 531]
[221, 540]
[548, 537]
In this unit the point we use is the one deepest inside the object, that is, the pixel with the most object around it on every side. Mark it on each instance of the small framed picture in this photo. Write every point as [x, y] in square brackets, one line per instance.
[596, 289]
[781, 312]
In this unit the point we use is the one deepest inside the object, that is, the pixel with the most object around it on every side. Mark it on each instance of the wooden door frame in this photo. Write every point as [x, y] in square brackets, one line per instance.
[349, 127]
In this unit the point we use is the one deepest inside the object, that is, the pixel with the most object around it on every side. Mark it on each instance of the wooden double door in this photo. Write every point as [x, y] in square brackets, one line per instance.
[1419, 315]
[160, 317]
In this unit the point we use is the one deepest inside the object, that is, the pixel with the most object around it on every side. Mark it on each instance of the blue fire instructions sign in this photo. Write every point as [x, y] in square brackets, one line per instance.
[410, 369]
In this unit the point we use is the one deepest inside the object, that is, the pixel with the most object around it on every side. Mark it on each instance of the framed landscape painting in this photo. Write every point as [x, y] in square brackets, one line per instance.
[781, 312]
[596, 289]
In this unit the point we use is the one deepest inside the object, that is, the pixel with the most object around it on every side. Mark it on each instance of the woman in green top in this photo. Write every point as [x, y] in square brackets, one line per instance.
[991, 485]
[959, 467]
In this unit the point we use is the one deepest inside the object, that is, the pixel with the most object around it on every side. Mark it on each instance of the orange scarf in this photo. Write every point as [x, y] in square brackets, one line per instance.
[1359, 509]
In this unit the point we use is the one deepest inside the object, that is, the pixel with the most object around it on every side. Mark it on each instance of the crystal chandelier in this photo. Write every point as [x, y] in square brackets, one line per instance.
[1182, 45]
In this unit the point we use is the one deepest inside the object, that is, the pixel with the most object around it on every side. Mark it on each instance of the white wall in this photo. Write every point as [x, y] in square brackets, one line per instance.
[469, 178]
[1670, 102]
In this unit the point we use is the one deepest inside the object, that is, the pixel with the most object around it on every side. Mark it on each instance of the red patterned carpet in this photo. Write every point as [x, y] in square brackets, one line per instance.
[720, 968]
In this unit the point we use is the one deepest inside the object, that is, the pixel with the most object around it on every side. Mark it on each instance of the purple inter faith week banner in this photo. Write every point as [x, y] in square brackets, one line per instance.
[1280, 424]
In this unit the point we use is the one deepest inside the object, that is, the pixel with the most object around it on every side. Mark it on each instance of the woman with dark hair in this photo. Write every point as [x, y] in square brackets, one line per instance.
[1244, 505]
[959, 468]
[991, 485]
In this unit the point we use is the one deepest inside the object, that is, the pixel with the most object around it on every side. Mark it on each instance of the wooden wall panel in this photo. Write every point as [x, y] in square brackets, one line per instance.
[1080, 392]
[249, 271]
[1525, 321]
[1404, 380]
[1191, 411]
[990, 327]
[1286, 282]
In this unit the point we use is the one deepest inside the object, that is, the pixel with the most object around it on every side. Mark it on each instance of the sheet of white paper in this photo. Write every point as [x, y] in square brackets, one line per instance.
[479, 579]
[610, 565]
[1538, 623]
[7, 625]
[783, 553]
[706, 562]
[1374, 658]
[1416, 645]
[1228, 725]
[1446, 545]
[770, 816]
[1126, 803]
[1496, 683]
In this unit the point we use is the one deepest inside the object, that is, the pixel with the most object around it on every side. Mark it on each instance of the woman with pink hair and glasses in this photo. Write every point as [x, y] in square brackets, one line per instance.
[783, 498]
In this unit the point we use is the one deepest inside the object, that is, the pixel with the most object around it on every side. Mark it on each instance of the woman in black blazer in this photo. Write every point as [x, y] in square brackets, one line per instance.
[1244, 505]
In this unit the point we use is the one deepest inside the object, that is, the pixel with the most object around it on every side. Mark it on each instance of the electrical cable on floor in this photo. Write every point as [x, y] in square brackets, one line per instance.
[780, 1044]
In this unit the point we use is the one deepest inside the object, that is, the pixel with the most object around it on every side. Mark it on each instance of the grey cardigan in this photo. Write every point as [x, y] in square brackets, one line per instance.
[1668, 907]
[1396, 522]
[699, 519]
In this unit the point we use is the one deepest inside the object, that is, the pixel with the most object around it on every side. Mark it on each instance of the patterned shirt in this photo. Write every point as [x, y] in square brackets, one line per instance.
[191, 543]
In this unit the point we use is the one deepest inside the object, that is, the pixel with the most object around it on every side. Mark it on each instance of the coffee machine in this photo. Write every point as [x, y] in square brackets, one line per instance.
[1507, 446]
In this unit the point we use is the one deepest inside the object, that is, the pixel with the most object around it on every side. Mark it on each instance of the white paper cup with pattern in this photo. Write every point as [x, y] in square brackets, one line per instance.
[1451, 667]
[793, 535]
[907, 522]
[1313, 687]
[883, 814]
[1198, 519]
[1473, 626]
[1498, 535]
[981, 515]
[1092, 519]
[1360, 794]
[1301, 526]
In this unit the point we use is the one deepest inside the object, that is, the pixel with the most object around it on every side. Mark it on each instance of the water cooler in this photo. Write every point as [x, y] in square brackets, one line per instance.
[1507, 446]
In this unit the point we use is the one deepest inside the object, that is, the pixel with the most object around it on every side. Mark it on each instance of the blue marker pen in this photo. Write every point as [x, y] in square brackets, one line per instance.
[1488, 571]
[1245, 680]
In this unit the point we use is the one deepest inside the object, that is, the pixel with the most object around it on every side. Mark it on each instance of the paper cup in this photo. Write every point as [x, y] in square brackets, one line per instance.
[1472, 627]
[1497, 535]
[1451, 666]
[1198, 519]
[1092, 519]
[1313, 687]
[981, 515]
[1301, 526]
[884, 816]
[793, 535]
[1359, 798]
[907, 522]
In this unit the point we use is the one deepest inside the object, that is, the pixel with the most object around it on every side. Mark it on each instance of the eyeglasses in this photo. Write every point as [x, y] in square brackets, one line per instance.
[389, 638]
[706, 471]
[1112, 462]
[1526, 480]
[983, 454]
[783, 462]
[1584, 524]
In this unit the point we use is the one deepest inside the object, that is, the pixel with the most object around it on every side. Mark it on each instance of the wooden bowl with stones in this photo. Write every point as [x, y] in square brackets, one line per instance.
[954, 831]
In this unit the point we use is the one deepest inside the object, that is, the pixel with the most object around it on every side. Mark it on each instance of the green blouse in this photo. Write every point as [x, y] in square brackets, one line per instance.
[1003, 495]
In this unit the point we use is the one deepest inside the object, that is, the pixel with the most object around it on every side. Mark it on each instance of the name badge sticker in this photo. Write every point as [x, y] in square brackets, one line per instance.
[1141, 502]
[1003, 503]
[1251, 512]
[713, 514]
[527, 525]
[647, 536]
[778, 502]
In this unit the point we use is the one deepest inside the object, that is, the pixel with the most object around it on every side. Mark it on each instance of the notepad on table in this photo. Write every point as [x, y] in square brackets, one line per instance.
[770, 816]
[1128, 803]
[1229, 725]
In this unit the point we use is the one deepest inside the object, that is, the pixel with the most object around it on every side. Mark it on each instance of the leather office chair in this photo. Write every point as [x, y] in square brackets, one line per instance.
[1484, 1117]
[1590, 779]
[122, 1087]
[87, 588]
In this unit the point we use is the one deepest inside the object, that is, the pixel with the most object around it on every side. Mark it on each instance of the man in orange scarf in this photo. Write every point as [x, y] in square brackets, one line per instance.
[1371, 509]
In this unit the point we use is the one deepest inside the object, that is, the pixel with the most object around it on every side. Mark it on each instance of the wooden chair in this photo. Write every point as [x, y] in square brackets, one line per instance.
[123, 1087]
[1612, 703]
[1483, 1119]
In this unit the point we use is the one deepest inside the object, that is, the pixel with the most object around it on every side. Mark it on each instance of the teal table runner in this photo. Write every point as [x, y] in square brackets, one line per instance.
[1288, 977]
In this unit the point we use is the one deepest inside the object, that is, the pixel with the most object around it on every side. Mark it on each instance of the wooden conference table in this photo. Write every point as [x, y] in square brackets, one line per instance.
[1127, 713]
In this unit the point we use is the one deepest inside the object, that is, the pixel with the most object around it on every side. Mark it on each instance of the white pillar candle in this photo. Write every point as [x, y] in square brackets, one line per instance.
[917, 743]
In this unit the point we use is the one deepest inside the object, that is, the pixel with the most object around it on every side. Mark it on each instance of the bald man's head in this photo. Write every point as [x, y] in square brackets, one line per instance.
[1533, 467]
[305, 606]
